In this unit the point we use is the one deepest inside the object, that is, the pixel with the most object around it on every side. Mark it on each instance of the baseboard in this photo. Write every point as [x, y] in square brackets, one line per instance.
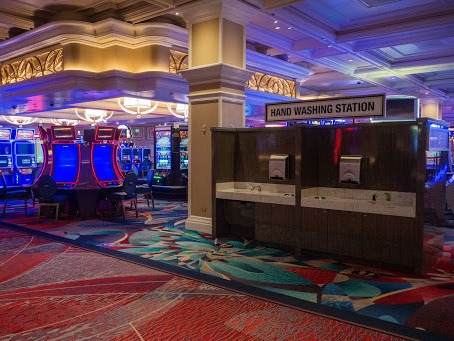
[199, 224]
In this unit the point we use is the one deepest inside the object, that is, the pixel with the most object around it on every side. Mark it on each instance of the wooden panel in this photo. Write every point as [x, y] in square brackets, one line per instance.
[275, 225]
[246, 160]
[390, 150]
[392, 240]
[313, 230]
[311, 142]
[223, 156]
[344, 233]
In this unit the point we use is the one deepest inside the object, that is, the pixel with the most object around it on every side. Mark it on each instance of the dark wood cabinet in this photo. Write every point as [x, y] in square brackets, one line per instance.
[391, 240]
[314, 230]
[344, 233]
[275, 224]
[379, 238]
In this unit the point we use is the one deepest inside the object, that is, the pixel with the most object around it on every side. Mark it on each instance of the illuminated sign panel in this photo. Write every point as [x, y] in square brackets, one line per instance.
[345, 107]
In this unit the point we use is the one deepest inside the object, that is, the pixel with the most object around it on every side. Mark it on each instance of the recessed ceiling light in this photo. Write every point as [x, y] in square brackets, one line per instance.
[350, 60]
[275, 21]
[289, 28]
[177, 13]
[277, 28]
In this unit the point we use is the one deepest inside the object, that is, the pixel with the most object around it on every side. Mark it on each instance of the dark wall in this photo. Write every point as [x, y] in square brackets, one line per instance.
[390, 151]
[253, 150]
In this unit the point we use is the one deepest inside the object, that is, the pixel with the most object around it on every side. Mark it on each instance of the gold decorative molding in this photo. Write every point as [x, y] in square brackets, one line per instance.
[259, 81]
[178, 61]
[32, 67]
[272, 84]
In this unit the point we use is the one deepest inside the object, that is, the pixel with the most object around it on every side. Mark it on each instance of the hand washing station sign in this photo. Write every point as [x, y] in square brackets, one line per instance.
[342, 107]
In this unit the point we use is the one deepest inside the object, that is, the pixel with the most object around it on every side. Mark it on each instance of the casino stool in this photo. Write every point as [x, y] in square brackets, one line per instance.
[13, 194]
[146, 189]
[47, 195]
[127, 194]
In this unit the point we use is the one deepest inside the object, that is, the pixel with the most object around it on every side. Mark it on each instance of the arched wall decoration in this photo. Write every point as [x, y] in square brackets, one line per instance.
[178, 61]
[32, 67]
[272, 84]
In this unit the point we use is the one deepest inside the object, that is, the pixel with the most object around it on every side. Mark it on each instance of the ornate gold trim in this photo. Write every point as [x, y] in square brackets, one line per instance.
[32, 67]
[178, 61]
[272, 84]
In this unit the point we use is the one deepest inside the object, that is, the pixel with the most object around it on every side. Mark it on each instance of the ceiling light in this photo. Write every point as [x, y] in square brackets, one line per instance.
[277, 28]
[94, 115]
[19, 120]
[350, 60]
[137, 106]
[275, 21]
[179, 110]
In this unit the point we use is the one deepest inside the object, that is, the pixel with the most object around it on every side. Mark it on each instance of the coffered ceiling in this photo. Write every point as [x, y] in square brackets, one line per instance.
[351, 47]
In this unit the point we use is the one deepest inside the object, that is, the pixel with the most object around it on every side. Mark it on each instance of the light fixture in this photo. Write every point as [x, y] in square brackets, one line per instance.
[94, 115]
[181, 110]
[64, 122]
[137, 106]
[19, 120]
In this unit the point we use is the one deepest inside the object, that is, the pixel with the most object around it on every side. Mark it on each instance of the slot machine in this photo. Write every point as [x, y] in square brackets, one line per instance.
[184, 152]
[24, 155]
[6, 156]
[66, 156]
[104, 157]
[162, 154]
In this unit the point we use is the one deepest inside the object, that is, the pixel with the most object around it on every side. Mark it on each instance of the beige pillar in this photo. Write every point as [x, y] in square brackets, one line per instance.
[431, 109]
[216, 78]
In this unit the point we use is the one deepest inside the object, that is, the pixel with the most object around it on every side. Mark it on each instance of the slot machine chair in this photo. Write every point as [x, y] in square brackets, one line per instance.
[146, 189]
[127, 194]
[47, 195]
[13, 194]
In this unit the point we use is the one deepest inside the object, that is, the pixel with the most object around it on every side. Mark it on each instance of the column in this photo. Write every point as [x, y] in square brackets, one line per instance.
[431, 108]
[216, 78]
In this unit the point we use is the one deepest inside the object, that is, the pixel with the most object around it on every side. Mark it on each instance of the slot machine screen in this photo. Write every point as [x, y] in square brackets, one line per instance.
[65, 167]
[184, 139]
[5, 148]
[66, 133]
[5, 134]
[162, 149]
[103, 163]
[24, 134]
[24, 161]
[105, 133]
[4, 161]
[136, 154]
[25, 148]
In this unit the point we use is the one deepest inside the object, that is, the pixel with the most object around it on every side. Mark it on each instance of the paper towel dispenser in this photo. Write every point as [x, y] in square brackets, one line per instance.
[279, 166]
[350, 169]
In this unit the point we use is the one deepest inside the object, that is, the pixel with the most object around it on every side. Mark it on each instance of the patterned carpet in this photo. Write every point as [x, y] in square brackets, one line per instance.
[52, 291]
[390, 300]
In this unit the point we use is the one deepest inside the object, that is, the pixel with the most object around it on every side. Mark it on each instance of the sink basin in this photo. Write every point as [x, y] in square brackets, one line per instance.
[356, 200]
[269, 193]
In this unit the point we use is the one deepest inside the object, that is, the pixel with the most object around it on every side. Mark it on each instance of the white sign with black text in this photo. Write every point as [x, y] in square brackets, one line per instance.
[345, 107]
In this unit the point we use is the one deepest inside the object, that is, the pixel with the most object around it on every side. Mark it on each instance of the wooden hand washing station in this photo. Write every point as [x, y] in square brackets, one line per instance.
[359, 191]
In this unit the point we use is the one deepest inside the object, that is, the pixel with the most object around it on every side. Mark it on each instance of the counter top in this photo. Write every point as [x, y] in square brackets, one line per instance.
[356, 200]
[256, 192]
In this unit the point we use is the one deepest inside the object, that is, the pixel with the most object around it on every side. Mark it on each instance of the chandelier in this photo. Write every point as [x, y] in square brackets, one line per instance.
[94, 115]
[19, 120]
[180, 111]
[137, 106]
[64, 122]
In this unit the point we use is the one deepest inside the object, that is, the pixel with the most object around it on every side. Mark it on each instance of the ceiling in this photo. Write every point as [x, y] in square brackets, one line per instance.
[351, 47]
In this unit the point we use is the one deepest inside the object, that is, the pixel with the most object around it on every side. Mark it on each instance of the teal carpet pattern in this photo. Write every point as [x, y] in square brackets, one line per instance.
[159, 235]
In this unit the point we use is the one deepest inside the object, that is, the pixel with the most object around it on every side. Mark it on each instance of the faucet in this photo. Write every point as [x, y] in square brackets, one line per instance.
[386, 194]
[257, 187]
